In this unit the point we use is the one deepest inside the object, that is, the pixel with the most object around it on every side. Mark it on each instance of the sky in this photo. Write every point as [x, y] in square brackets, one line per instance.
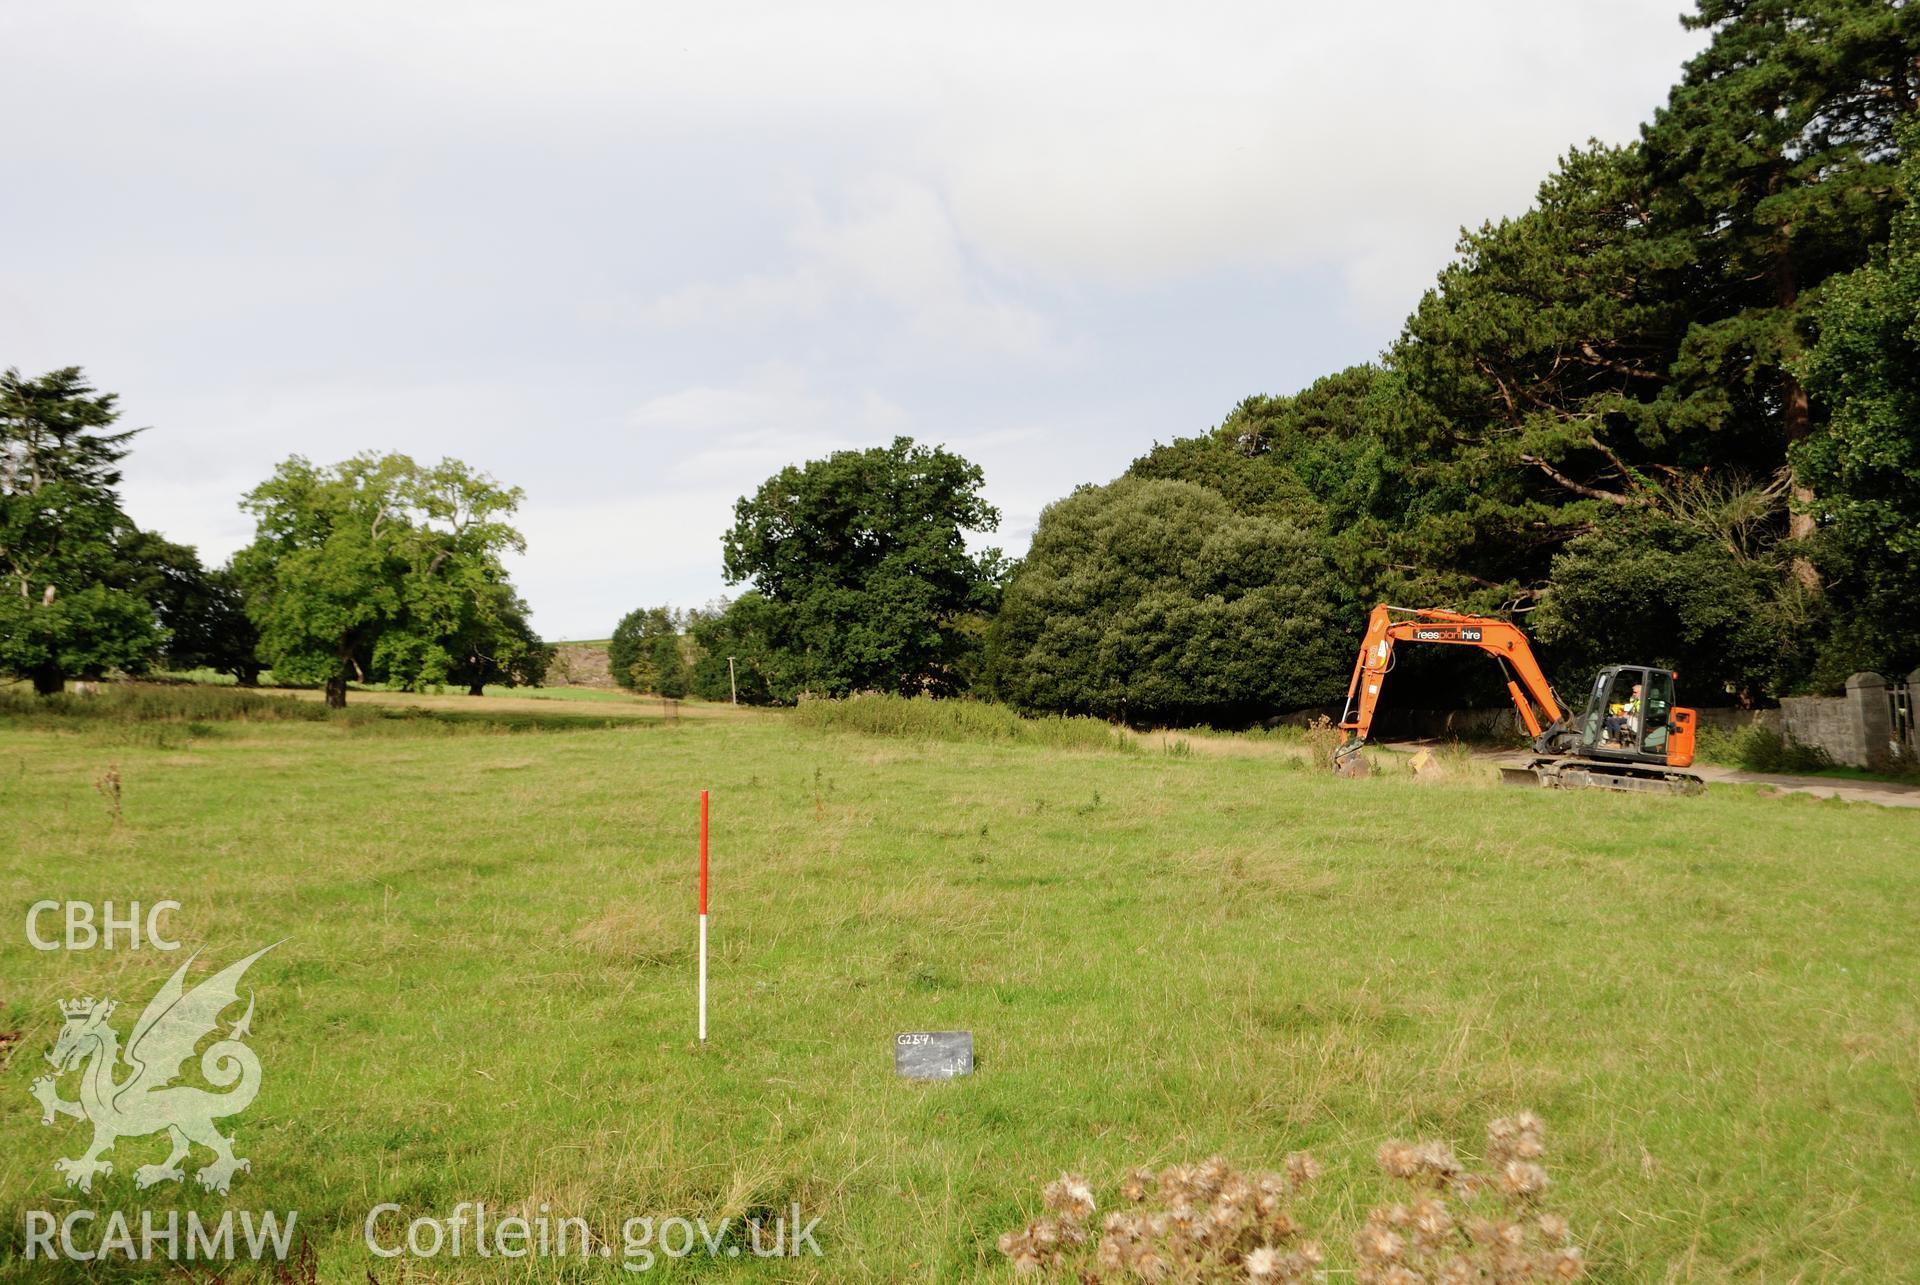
[636, 257]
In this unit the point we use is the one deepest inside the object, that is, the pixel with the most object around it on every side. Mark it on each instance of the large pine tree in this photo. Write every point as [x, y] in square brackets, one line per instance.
[1774, 156]
[60, 531]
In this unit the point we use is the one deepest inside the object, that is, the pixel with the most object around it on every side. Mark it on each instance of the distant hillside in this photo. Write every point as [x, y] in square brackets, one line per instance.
[580, 664]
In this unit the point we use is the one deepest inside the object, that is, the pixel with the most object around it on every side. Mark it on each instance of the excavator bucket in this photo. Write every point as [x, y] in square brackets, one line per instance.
[1351, 766]
[1525, 777]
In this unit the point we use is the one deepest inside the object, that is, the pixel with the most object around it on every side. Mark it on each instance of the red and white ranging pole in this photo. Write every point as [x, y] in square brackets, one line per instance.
[703, 916]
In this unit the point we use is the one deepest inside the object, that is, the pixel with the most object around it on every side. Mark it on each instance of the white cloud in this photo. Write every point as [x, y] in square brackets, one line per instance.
[891, 243]
[1282, 136]
[748, 301]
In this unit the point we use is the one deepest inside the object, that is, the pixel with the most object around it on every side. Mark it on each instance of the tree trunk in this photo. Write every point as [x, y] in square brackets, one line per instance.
[248, 677]
[1800, 523]
[1798, 416]
[476, 689]
[337, 692]
[49, 680]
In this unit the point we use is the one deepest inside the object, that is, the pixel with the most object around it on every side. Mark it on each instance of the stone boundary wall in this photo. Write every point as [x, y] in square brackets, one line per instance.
[1872, 726]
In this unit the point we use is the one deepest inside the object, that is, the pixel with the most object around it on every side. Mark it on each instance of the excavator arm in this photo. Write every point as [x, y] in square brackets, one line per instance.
[1387, 627]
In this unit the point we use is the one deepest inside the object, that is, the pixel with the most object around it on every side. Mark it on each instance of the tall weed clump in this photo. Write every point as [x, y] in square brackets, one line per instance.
[1208, 1222]
[1323, 736]
[1760, 749]
[927, 719]
[158, 703]
[1211, 1223]
[1497, 1229]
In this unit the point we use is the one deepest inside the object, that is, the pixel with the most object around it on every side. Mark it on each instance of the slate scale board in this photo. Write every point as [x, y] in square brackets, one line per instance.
[933, 1055]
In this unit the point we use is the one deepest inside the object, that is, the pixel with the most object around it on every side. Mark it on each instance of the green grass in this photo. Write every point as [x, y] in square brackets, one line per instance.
[214, 678]
[925, 719]
[485, 990]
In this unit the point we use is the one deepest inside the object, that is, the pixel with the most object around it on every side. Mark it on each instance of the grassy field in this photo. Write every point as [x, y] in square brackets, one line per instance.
[484, 990]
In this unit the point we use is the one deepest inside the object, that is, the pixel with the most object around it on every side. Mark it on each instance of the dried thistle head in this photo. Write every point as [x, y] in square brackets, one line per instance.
[1302, 1169]
[1210, 1175]
[1567, 1263]
[1518, 1137]
[1137, 1185]
[1069, 1196]
[1399, 1159]
[1523, 1179]
[1175, 1184]
[1280, 1226]
[1379, 1246]
[1266, 1265]
[1227, 1216]
[1432, 1224]
[1436, 1160]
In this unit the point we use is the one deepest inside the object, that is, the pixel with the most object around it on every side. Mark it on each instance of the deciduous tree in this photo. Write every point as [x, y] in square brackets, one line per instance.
[1153, 601]
[1864, 463]
[202, 610]
[377, 561]
[646, 655]
[734, 631]
[862, 568]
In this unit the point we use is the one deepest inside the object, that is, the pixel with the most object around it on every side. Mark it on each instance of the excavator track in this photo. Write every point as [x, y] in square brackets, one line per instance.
[1562, 773]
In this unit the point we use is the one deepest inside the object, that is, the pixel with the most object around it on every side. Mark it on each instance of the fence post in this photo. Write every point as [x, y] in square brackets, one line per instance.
[1872, 719]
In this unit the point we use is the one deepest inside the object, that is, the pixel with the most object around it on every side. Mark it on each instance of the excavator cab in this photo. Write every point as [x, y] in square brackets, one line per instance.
[1630, 717]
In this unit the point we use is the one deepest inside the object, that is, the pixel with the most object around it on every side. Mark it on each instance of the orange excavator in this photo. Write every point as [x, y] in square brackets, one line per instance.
[1630, 737]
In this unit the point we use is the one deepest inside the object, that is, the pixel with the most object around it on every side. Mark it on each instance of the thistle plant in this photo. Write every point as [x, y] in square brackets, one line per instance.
[1322, 738]
[1496, 1231]
[1211, 1223]
[1208, 1222]
[108, 784]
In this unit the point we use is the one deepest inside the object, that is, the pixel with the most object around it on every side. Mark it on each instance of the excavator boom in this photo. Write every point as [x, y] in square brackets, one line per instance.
[1533, 696]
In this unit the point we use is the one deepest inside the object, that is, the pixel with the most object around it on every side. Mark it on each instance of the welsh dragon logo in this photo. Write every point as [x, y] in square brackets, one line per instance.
[131, 1094]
